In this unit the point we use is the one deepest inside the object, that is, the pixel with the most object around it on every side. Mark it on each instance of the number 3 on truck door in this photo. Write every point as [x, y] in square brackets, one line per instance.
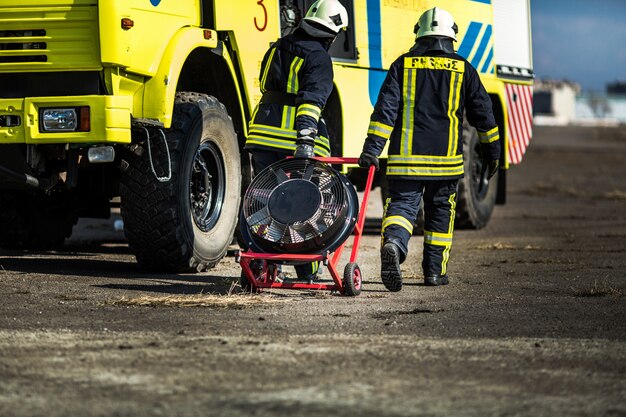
[264, 25]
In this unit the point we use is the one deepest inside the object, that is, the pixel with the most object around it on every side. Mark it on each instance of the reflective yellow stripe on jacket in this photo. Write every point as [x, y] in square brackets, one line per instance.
[310, 110]
[292, 81]
[490, 136]
[267, 68]
[380, 129]
[281, 138]
[453, 105]
[425, 165]
[289, 117]
[410, 77]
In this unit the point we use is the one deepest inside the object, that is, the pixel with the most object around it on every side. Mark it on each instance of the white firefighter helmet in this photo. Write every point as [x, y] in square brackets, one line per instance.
[436, 22]
[325, 19]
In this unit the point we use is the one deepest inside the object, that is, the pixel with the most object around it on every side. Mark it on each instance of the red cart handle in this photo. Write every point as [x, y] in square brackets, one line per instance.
[337, 160]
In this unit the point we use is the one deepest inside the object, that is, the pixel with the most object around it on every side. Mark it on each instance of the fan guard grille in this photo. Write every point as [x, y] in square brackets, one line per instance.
[299, 205]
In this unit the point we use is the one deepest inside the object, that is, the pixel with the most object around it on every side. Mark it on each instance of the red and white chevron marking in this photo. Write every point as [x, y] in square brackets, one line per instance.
[520, 120]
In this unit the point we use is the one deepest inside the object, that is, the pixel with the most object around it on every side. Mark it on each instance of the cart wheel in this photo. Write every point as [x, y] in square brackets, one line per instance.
[352, 280]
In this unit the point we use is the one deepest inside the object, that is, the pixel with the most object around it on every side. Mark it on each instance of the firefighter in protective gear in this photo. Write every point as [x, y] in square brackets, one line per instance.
[296, 79]
[420, 110]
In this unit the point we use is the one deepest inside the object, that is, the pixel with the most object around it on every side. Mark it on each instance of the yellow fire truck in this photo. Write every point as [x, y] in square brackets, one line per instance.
[148, 101]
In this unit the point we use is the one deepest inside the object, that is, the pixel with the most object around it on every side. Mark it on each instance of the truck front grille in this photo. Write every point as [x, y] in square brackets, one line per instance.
[49, 38]
[23, 40]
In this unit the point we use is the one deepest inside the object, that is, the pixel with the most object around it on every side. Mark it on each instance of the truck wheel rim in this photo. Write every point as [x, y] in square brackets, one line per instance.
[207, 186]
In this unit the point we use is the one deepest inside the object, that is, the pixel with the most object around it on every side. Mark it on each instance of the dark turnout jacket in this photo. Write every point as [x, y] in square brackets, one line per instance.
[420, 110]
[296, 79]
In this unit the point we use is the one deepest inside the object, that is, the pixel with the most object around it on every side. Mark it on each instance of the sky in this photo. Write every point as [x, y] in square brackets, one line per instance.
[579, 40]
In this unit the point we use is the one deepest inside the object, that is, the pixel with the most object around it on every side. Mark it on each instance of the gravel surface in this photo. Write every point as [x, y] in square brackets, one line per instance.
[532, 323]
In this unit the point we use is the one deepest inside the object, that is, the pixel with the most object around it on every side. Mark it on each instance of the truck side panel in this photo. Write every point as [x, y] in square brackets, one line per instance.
[514, 66]
[252, 29]
[153, 20]
[160, 89]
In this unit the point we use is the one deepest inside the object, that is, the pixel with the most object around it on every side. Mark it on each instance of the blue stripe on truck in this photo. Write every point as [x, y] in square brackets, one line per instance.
[375, 41]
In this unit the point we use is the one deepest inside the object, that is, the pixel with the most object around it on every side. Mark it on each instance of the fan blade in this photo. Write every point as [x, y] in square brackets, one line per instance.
[330, 210]
[326, 182]
[280, 176]
[323, 223]
[260, 195]
[308, 173]
[261, 217]
[276, 231]
[315, 225]
[296, 236]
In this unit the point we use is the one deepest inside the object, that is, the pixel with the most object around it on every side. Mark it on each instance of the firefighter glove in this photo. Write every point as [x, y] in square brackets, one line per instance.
[490, 167]
[305, 144]
[367, 159]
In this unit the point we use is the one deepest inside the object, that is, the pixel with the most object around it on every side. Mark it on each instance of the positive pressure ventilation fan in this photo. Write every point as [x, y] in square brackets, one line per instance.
[298, 205]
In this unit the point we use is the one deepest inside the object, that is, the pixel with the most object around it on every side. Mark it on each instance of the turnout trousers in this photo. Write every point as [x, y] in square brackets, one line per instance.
[260, 160]
[401, 209]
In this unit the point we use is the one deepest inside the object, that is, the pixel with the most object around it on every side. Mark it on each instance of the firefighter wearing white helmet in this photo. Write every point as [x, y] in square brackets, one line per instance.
[420, 109]
[325, 19]
[436, 22]
[296, 79]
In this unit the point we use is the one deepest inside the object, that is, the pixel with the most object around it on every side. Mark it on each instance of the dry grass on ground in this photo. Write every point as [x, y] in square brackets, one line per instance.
[231, 300]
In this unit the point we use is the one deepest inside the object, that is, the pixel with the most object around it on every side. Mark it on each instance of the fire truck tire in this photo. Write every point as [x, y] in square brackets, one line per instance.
[476, 197]
[34, 221]
[187, 223]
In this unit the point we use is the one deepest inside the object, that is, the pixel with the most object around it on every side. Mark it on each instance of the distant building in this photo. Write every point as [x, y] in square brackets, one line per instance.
[563, 103]
[554, 102]
[601, 109]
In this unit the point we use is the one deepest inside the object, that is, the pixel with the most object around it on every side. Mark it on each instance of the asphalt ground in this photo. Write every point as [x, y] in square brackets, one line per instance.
[533, 322]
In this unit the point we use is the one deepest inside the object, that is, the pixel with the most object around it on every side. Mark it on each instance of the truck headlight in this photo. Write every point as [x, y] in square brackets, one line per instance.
[74, 119]
[59, 120]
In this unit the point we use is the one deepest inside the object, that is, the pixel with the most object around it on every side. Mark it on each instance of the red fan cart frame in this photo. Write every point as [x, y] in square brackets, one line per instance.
[348, 283]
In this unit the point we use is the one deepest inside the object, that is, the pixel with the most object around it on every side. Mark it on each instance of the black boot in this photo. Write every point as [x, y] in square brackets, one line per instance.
[390, 267]
[303, 272]
[435, 280]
